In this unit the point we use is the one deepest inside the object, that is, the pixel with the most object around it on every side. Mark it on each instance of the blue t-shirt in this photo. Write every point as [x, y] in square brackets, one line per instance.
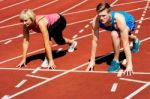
[130, 21]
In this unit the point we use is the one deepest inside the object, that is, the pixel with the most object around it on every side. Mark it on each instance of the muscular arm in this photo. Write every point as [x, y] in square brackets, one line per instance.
[43, 28]
[95, 34]
[25, 42]
[25, 47]
[124, 30]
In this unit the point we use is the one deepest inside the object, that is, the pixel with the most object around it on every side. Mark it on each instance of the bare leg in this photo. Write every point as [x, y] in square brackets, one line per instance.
[68, 41]
[116, 44]
[72, 44]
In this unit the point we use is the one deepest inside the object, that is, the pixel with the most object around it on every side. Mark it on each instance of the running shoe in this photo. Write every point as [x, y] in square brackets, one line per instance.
[114, 66]
[45, 63]
[136, 46]
[72, 46]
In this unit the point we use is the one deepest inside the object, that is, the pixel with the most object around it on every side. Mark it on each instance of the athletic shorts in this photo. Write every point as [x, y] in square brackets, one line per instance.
[55, 31]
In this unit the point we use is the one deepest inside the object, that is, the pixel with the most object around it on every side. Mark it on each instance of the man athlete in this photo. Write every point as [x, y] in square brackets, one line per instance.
[121, 24]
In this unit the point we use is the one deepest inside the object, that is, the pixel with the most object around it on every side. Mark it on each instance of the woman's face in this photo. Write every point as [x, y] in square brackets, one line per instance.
[27, 22]
[104, 16]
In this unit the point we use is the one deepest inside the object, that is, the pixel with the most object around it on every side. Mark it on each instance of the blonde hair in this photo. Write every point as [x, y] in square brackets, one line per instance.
[27, 13]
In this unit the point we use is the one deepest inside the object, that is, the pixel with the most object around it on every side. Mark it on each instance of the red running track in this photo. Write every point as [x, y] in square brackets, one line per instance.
[70, 80]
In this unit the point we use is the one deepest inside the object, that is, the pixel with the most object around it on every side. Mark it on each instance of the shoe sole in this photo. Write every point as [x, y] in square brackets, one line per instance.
[114, 70]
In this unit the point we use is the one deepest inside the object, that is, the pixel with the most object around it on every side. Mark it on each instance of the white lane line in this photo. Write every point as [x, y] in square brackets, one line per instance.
[77, 71]
[145, 9]
[75, 36]
[140, 22]
[36, 70]
[21, 56]
[44, 6]
[21, 83]
[16, 4]
[81, 30]
[138, 26]
[20, 35]
[91, 22]
[128, 3]
[11, 25]
[133, 80]
[137, 91]
[113, 3]
[136, 31]
[6, 26]
[87, 26]
[2, 21]
[120, 72]
[144, 12]
[74, 6]
[79, 21]
[48, 80]
[5, 97]
[7, 42]
[142, 18]
[114, 87]
[39, 77]
[4, 61]
[60, 49]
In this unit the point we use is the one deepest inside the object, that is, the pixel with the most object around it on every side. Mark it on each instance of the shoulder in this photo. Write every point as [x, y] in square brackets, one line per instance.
[118, 16]
[41, 19]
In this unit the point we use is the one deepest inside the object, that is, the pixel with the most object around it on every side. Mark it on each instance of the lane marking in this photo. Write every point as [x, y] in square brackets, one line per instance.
[48, 80]
[7, 42]
[64, 11]
[133, 80]
[5, 97]
[20, 35]
[16, 4]
[60, 49]
[114, 87]
[75, 36]
[2, 21]
[138, 26]
[30, 53]
[21, 83]
[74, 6]
[39, 77]
[144, 12]
[140, 22]
[129, 3]
[36, 70]
[138, 91]
[77, 71]
[81, 30]
[91, 21]
[87, 26]
[6, 26]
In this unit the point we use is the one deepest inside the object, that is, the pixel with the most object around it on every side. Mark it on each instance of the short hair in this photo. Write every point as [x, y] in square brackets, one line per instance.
[27, 13]
[102, 6]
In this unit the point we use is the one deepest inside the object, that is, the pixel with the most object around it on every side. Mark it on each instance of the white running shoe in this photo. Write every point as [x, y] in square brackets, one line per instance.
[72, 46]
[45, 63]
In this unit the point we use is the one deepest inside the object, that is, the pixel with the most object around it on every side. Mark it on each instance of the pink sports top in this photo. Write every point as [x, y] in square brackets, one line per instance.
[51, 18]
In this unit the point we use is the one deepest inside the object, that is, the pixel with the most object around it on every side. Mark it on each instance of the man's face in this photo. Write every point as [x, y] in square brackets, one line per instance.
[104, 16]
